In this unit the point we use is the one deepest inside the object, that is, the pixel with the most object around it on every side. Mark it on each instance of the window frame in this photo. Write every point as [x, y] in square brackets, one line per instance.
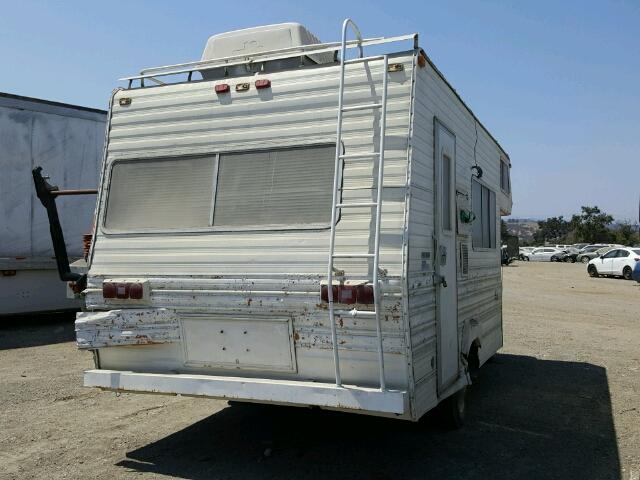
[505, 162]
[210, 228]
[491, 230]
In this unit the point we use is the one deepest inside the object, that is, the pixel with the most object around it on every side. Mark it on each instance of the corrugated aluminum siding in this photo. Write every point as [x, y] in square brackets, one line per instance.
[269, 272]
[479, 290]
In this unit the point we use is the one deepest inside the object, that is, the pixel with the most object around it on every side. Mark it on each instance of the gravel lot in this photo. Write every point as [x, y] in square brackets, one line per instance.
[561, 400]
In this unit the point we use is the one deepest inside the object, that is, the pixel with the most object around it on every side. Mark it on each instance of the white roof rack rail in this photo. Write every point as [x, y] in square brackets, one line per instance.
[190, 67]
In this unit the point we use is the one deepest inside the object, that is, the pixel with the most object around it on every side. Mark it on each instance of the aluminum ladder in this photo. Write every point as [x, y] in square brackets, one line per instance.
[336, 206]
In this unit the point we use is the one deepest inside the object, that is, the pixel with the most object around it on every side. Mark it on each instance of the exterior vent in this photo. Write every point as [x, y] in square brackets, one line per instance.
[464, 258]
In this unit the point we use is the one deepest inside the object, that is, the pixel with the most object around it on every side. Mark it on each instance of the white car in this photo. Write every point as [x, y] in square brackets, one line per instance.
[522, 251]
[542, 254]
[619, 262]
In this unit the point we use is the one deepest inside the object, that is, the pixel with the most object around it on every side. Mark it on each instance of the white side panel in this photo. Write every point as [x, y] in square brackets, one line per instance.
[479, 289]
[267, 273]
[67, 143]
[34, 290]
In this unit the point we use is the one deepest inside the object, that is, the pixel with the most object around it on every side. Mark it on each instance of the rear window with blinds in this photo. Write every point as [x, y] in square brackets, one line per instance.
[280, 188]
[277, 187]
[160, 194]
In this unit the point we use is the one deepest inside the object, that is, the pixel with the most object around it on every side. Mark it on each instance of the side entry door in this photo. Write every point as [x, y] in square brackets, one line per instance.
[445, 276]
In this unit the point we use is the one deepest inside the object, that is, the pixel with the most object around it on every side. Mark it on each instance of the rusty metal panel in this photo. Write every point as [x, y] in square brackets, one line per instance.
[126, 327]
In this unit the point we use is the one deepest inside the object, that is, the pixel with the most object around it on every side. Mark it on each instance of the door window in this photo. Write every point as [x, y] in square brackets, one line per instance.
[446, 193]
[610, 254]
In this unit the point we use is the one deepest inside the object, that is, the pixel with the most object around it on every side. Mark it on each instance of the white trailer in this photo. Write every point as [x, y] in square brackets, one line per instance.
[68, 141]
[297, 228]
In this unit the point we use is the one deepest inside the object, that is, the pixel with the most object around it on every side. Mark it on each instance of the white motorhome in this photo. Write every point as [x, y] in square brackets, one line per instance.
[301, 226]
[67, 140]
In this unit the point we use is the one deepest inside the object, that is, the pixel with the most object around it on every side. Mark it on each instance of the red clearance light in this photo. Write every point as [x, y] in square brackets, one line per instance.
[222, 88]
[349, 294]
[109, 290]
[263, 83]
[136, 292]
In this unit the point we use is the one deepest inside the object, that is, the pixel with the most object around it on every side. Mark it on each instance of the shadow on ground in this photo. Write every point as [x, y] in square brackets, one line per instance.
[528, 418]
[22, 331]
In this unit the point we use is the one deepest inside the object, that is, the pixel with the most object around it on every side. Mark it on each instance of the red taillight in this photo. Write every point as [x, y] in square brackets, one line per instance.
[109, 290]
[365, 294]
[222, 88]
[263, 83]
[122, 290]
[136, 291]
[348, 294]
[324, 293]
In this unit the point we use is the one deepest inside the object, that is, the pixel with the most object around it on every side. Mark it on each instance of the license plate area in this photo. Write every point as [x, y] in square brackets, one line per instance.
[245, 343]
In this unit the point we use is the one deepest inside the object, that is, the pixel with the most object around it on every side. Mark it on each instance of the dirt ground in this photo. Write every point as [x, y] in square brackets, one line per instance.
[560, 401]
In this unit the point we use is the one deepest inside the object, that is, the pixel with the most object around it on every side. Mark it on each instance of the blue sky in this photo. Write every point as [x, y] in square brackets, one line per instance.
[557, 83]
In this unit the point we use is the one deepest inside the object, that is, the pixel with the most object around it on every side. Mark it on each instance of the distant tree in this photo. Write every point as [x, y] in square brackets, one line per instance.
[553, 229]
[592, 225]
[626, 234]
[504, 230]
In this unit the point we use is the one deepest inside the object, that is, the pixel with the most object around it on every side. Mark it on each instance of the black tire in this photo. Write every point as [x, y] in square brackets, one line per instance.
[452, 410]
[626, 273]
[572, 259]
[527, 259]
[592, 271]
[584, 259]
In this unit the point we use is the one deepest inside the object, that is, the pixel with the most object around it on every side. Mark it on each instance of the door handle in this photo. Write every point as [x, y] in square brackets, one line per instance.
[439, 279]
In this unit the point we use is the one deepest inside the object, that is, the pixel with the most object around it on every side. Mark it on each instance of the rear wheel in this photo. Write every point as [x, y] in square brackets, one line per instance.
[592, 270]
[584, 259]
[626, 273]
[572, 259]
[453, 409]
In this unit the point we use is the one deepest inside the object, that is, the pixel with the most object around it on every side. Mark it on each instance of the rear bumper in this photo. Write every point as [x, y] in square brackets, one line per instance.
[324, 395]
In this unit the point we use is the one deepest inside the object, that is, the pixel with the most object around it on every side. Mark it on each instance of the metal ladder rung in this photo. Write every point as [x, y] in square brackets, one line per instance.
[355, 313]
[353, 255]
[355, 205]
[363, 59]
[360, 155]
[361, 107]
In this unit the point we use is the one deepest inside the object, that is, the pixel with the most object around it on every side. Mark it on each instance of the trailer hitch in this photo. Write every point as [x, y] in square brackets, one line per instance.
[47, 194]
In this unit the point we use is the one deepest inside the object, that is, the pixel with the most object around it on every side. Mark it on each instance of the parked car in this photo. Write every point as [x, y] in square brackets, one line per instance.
[618, 261]
[591, 251]
[579, 246]
[522, 251]
[542, 254]
[568, 255]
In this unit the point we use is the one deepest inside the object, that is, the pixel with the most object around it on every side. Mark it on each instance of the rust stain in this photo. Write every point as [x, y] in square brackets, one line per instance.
[340, 322]
[296, 337]
[249, 300]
